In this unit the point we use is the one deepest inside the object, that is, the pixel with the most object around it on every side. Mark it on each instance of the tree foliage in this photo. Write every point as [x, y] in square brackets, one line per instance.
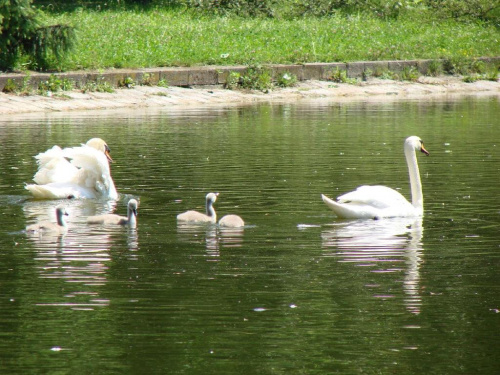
[22, 33]
[475, 9]
[250, 8]
[470, 9]
[457, 9]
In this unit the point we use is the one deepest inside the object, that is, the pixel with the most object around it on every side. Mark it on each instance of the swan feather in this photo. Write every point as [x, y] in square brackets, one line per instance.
[377, 196]
[53, 167]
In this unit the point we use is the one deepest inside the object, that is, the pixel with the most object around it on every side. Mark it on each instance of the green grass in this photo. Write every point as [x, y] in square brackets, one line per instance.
[124, 38]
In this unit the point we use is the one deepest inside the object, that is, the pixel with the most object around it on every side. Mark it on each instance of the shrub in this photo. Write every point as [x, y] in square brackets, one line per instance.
[162, 83]
[340, 76]
[287, 80]
[387, 74]
[463, 66]
[10, 86]
[382, 8]
[23, 33]
[409, 73]
[366, 74]
[491, 73]
[54, 84]
[250, 8]
[476, 9]
[471, 78]
[99, 85]
[147, 80]
[127, 82]
[257, 78]
[435, 68]
[232, 81]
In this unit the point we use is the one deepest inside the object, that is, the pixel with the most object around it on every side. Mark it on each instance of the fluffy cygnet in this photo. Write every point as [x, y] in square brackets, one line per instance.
[198, 217]
[113, 219]
[231, 221]
[48, 227]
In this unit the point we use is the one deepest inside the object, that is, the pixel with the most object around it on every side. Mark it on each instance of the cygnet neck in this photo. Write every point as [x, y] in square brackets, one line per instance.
[60, 217]
[210, 209]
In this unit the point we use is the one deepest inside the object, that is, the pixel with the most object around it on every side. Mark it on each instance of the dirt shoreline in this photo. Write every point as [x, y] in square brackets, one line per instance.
[178, 97]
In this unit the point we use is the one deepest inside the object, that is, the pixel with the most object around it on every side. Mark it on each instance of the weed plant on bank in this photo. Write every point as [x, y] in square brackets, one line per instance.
[124, 37]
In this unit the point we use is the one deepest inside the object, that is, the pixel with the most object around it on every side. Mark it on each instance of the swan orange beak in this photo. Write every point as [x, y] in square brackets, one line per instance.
[422, 149]
[107, 153]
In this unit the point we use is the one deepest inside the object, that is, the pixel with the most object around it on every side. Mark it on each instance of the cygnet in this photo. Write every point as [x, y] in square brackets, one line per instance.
[198, 217]
[113, 219]
[48, 227]
[231, 221]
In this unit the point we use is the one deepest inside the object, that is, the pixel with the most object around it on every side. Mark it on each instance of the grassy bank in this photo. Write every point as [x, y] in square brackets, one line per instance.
[128, 38]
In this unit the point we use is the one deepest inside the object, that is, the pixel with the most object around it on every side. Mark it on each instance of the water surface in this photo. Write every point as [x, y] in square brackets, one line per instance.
[295, 291]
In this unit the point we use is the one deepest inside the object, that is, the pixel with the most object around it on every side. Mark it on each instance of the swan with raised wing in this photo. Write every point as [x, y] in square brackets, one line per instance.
[74, 172]
[375, 202]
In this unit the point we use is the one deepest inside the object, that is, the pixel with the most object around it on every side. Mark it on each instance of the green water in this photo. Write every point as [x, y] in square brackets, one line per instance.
[296, 291]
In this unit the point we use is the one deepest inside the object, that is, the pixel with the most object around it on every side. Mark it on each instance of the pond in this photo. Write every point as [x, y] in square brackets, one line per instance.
[296, 290]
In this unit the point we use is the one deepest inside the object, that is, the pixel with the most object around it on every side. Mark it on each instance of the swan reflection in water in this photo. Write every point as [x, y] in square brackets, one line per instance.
[80, 257]
[379, 245]
[211, 235]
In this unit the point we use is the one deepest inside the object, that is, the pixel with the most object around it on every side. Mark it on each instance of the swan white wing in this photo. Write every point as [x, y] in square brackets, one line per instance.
[351, 210]
[60, 190]
[53, 167]
[93, 170]
[377, 196]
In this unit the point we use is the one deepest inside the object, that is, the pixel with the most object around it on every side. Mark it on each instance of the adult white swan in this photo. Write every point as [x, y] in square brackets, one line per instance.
[74, 172]
[374, 202]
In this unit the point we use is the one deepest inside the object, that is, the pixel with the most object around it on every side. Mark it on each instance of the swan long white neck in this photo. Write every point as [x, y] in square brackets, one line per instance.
[417, 198]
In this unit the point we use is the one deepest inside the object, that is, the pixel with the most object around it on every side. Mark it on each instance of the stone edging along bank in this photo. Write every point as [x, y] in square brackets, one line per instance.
[217, 75]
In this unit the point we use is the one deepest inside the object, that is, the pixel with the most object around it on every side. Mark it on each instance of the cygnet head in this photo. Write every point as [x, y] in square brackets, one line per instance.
[415, 143]
[211, 198]
[100, 145]
[60, 213]
[132, 206]
[132, 213]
